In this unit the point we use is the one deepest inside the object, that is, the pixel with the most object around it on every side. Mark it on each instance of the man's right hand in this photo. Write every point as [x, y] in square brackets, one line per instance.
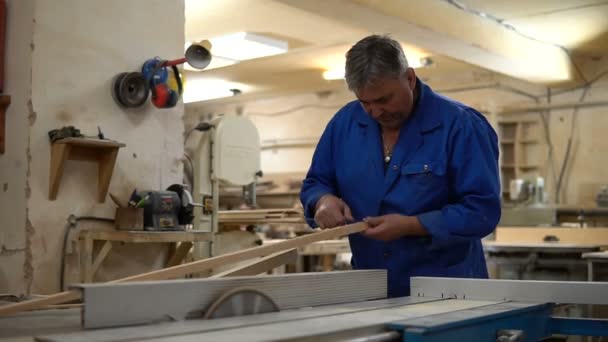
[331, 211]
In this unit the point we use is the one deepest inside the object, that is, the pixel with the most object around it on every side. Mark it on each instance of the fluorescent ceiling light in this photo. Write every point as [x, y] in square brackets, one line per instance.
[242, 46]
[337, 73]
[203, 89]
[334, 74]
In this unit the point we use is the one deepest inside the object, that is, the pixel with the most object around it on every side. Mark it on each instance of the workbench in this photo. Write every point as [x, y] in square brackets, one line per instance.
[554, 215]
[524, 253]
[527, 258]
[594, 258]
[90, 263]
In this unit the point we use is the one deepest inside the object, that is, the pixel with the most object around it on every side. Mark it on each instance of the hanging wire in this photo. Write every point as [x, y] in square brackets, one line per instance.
[562, 171]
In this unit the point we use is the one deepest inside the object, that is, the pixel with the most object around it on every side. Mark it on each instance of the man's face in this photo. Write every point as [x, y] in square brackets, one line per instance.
[389, 101]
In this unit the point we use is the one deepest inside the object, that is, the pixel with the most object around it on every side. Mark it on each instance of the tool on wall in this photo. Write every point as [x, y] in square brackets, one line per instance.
[72, 132]
[131, 89]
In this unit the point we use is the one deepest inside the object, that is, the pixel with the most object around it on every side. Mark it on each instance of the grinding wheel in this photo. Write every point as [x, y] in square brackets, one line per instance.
[239, 302]
[130, 89]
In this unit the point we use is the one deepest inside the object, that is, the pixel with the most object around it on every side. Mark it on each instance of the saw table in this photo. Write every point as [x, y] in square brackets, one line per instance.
[326, 306]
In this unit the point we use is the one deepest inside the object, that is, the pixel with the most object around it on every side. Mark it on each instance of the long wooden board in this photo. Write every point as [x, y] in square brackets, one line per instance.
[195, 266]
[588, 236]
[262, 265]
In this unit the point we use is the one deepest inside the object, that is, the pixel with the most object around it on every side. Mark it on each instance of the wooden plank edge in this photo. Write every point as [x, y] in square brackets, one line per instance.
[261, 265]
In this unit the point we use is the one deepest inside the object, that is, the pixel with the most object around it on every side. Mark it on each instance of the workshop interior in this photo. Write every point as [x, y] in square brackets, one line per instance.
[152, 155]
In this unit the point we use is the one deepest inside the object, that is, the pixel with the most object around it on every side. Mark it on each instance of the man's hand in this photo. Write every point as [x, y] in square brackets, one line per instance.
[393, 226]
[331, 212]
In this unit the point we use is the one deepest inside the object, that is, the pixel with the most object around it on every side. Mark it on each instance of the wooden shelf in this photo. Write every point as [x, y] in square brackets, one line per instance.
[103, 152]
[518, 140]
[5, 101]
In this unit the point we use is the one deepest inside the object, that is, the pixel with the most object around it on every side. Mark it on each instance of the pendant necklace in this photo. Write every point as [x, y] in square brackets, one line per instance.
[387, 154]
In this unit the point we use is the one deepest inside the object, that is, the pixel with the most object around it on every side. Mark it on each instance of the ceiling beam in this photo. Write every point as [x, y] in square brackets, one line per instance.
[444, 29]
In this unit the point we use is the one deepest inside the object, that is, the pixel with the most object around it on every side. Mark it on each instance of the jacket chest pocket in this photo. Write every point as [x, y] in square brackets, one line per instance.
[425, 176]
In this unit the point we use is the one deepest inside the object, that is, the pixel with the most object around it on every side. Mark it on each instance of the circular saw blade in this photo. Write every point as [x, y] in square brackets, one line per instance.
[241, 302]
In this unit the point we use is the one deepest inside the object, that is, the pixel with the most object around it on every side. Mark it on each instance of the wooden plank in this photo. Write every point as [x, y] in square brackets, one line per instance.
[244, 220]
[59, 154]
[38, 303]
[326, 247]
[220, 260]
[261, 265]
[147, 237]
[589, 236]
[101, 256]
[261, 216]
[86, 259]
[145, 302]
[328, 262]
[62, 306]
[262, 211]
[181, 253]
[94, 143]
[197, 266]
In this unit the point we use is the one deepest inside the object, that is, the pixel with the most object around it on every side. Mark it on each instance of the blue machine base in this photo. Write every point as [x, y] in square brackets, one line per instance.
[534, 321]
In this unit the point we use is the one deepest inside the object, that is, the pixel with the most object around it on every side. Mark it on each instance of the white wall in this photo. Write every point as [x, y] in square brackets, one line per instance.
[76, 49]
[14, 162]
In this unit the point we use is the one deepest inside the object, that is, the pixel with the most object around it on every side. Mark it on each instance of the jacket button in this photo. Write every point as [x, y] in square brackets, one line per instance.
[395, 167]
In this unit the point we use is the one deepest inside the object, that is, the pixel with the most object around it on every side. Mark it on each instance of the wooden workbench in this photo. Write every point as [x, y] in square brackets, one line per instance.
[89, 263]
[593, 258]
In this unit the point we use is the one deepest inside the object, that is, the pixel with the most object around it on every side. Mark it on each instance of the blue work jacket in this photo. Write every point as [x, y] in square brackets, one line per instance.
[444, 171]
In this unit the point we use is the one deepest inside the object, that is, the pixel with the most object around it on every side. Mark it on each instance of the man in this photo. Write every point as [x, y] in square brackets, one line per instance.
[419, 168]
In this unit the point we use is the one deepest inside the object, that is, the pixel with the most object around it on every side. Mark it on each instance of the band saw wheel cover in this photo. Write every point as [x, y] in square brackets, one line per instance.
[241, 301]
[130, 89]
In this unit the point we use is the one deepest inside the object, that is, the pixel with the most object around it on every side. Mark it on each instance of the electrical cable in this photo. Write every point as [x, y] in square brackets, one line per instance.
[202, 126]
[292, 110]
[545, 121]
[189, 173]
[568, 147]
[72, 224]
[512, 28]
[592, 81]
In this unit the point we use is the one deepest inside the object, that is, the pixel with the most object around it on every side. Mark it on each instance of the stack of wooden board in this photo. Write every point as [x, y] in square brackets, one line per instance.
[261, 216]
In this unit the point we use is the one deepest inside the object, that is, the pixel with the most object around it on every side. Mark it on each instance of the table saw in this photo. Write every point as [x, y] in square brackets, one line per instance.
[328, 306]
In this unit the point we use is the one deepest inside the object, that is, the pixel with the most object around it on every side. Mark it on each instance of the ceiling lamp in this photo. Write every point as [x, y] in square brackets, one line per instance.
[241, 46]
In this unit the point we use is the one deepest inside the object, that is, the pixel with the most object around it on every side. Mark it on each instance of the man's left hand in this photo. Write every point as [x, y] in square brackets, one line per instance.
[393, 226]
